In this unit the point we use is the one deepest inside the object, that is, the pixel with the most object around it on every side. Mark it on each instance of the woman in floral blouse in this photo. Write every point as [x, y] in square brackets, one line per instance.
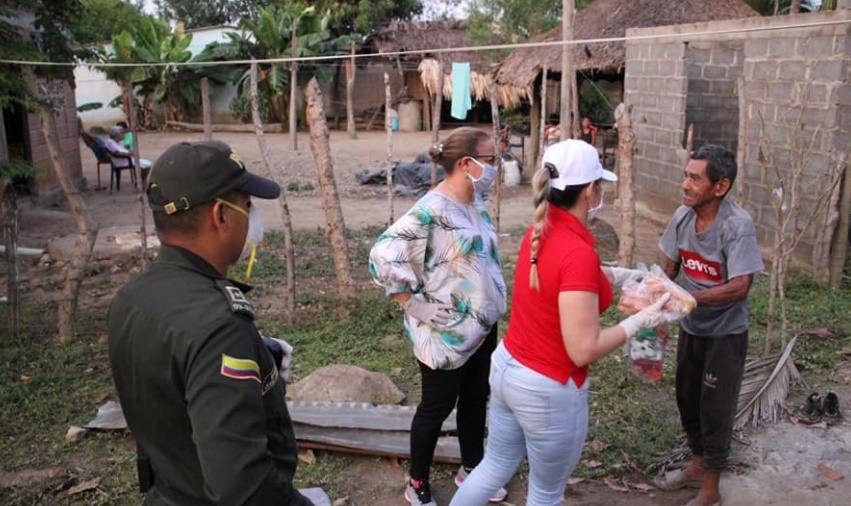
[441, 262]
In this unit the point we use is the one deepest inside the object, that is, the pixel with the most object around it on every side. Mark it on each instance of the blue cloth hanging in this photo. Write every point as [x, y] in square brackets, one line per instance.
[461, 101]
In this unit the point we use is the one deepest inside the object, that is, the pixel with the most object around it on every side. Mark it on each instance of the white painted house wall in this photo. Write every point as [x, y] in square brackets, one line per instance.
[93, 85]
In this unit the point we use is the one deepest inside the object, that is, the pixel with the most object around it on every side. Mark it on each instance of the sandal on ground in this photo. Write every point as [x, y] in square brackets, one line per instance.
[830, 409]
[675, 480]
[810, 412]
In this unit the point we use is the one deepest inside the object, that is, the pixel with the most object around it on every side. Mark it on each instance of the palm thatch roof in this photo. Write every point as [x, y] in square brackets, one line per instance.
[606, 19]
[399, 36]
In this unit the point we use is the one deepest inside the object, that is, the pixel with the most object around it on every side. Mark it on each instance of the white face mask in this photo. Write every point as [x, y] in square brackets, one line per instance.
[255, 234]
[595, 211]
[483, 183]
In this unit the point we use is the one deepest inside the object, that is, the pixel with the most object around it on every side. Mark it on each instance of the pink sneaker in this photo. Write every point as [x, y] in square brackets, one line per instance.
[498, 496]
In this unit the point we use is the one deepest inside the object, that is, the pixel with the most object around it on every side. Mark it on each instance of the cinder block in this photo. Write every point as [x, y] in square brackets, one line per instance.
[693, 71]
[755, 89]
[815, 47]
[714, 71]
[699, 56]
[827, 70]
[756, 48]
[674, 51]
[818, 94]
[723, 87]
[818, 117]
[792, 70]
[699, 86]
[633, 51]
[766, 70]
[675, 86]
[667, 68]
[780, 91]
[724, 56]
[843, 94]
[693, 101]
[783, 47]
[651, 67]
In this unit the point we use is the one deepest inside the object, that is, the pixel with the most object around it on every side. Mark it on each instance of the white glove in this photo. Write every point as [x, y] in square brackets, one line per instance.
[286, 359]
[316, 495]
[428, 313]
[621, 275]
[649, 317]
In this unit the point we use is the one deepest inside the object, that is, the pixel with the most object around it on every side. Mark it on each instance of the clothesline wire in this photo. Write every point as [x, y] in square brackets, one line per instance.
[490, 47]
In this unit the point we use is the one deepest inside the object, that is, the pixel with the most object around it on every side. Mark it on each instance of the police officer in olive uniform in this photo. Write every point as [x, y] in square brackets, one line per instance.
[201, 392]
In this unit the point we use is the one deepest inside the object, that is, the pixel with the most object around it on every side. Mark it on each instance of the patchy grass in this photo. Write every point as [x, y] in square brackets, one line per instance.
[46, 386]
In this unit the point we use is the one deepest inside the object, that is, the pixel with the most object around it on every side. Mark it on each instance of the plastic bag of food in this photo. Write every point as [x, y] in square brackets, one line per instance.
[646, 352]
[637, 295]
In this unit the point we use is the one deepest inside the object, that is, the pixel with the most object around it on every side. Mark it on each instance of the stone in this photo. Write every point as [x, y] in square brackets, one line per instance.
[346, 383]
[75, 434]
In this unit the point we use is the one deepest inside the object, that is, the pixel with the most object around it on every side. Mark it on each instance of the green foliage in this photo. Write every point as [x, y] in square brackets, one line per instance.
[240, 108]
[195, 14]
[89, 106]
[595, 104]
[504, 21]
[17, 170]
[105, 19]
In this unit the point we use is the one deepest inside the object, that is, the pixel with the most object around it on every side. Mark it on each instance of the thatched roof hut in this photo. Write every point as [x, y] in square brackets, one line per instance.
[400, 36]
[606, 19]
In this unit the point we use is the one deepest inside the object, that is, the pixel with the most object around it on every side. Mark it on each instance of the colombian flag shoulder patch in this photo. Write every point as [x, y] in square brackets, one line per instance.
[240, 368]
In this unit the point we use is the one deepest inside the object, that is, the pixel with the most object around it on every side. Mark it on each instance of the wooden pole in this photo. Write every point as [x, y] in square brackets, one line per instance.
[435, 119]
[335, 226]
[351, 70]
[839, 249]
[494, 96]
[389, 127]
[205, 107]
[10, 227]
[568, 74]
[626, 151]
[289, 248]
[542, 143]
[741, 141]
[293, 88]
[66, 307]
[140, 186]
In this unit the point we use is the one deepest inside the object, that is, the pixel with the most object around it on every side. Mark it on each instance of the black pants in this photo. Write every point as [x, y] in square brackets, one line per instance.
[709, 375]
[468, 385]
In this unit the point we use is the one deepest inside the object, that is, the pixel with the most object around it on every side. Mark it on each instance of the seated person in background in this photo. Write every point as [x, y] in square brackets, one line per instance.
[121, 156]
[127, 139]
[587, 131]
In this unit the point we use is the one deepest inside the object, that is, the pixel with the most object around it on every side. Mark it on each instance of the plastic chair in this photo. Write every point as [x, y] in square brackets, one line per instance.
[101, 155]
[115, 175]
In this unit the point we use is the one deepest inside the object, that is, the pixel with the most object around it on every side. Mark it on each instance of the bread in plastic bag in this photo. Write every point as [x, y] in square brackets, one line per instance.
[636, 295]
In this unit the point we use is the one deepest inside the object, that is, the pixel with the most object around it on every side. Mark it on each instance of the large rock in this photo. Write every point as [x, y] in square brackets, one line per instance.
[346, 383]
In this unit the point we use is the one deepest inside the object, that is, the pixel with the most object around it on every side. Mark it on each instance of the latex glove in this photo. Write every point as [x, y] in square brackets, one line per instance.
[316, 495]
[621, 275]
[282, 351]
[649, 317]
[427, 312]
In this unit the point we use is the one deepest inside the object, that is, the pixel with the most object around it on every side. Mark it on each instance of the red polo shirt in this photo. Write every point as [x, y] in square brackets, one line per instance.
[567, 262]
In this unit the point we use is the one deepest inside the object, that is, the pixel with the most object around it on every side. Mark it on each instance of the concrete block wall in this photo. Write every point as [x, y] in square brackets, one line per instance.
[46, 185]
[655, 85]
[797, 91]
[712, 102]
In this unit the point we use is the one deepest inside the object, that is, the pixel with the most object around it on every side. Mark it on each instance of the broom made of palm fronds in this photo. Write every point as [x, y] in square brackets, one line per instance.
[508, 96]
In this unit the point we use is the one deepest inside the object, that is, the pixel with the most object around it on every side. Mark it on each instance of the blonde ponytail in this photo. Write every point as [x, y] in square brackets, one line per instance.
[541, 188]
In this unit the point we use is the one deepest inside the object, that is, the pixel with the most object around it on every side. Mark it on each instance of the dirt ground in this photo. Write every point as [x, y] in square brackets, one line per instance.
[782, 460]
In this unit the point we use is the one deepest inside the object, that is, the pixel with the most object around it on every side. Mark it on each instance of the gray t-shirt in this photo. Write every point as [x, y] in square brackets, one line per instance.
[725, 250]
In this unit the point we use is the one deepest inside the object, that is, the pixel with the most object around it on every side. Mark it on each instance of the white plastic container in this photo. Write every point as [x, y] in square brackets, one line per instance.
[511, 173]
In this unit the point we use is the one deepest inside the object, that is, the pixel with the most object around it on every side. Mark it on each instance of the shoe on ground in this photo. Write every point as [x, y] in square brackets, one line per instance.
[498, 496]
[811, 411]
[830, 408]
[676, 480]
[418, 493]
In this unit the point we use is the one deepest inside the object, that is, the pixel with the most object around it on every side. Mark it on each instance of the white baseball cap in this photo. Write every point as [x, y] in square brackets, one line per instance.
[577, 163]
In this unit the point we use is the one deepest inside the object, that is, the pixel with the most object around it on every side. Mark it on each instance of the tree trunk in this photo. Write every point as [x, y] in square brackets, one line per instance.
[540, 143]
[626, 150]
[568, 74]
[498, 160]
[388, 125]
[226, 127]
[293, 88]
[742, 140]
[140, 194]
[351, 71]
[205, 107]
[435, 119]
[289, 249]
[839, 250]
[336, 228]
[76, 269]
[10, 227]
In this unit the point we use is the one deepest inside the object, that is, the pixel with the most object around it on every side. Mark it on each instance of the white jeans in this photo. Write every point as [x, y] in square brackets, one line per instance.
[530, 415]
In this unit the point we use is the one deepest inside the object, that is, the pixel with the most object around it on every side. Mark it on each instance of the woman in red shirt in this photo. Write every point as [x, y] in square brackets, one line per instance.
[538, 377]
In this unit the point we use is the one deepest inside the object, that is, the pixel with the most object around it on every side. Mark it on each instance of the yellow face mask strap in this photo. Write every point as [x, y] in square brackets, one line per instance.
[251, 258]
[233, 206]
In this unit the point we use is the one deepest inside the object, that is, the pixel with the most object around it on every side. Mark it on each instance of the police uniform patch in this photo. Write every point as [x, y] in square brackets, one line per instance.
[240, 368]
[236, 299]
[270, 381]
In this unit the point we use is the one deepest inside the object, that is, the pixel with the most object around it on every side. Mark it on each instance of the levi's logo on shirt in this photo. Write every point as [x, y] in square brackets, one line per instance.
[699, 269]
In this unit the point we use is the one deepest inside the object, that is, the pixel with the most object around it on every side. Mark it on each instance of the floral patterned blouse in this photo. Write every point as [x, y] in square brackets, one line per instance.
[445, 252]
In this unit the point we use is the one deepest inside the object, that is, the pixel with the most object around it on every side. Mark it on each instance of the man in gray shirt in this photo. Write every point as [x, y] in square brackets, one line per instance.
[713, 241]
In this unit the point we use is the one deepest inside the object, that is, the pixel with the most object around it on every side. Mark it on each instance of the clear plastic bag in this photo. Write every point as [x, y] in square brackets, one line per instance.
[636, 295]
[646, 349]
